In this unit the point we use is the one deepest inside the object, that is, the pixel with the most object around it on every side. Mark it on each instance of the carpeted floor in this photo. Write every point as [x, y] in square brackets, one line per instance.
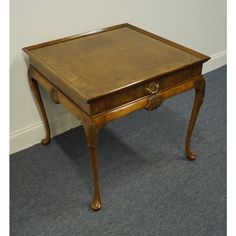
[148, 186]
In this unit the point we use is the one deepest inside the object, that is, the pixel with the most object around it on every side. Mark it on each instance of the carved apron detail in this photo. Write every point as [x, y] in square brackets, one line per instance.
[153, 102]
[54, 96]
[91, 131]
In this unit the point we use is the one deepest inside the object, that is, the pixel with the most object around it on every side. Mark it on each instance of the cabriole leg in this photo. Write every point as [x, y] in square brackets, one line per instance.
[35, 89]
[91, 131]
[199, 96]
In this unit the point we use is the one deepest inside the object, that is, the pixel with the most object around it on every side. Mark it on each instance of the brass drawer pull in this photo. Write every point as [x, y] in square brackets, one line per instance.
[152, 88]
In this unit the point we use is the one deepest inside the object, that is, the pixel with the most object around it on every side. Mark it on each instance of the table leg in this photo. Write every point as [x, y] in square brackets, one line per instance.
[91, 132]
[36, 92]
[199, 96]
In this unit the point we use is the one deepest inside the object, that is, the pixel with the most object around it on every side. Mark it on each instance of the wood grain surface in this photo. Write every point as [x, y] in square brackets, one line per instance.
[108, 61]
[106, 74]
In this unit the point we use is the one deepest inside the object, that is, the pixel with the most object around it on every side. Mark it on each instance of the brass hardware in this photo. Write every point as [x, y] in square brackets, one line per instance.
[152, 88]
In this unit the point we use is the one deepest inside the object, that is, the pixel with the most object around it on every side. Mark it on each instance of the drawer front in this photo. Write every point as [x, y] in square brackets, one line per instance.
[143, 90]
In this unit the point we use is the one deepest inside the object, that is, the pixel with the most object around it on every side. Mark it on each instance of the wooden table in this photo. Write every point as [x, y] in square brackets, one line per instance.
[106, 74]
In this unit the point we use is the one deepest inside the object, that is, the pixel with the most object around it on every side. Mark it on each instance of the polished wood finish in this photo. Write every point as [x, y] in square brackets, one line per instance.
[91, 131]
[104, 75]
[35, 88]
[199, 96]
[94, 69]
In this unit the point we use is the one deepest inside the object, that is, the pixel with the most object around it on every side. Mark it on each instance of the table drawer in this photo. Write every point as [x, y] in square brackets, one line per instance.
[144, 89]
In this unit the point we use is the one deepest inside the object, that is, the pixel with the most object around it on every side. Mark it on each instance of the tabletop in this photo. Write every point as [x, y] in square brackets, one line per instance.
[106, 61]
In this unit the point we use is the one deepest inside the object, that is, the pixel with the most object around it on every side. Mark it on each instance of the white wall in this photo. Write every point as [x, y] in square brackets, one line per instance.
[200, 25]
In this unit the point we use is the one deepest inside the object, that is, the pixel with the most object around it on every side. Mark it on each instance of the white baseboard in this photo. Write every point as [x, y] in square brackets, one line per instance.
[217, 60]
[31, 135]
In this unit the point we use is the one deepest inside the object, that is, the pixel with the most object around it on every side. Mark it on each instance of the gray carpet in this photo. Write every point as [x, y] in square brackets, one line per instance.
[148, 186]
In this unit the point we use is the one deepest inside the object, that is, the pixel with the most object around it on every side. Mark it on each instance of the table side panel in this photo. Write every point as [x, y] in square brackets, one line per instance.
[141, 103]
[138, 91]
[118, 111]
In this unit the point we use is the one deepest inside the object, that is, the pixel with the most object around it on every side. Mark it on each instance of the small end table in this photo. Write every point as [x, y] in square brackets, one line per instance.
[106, 74]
